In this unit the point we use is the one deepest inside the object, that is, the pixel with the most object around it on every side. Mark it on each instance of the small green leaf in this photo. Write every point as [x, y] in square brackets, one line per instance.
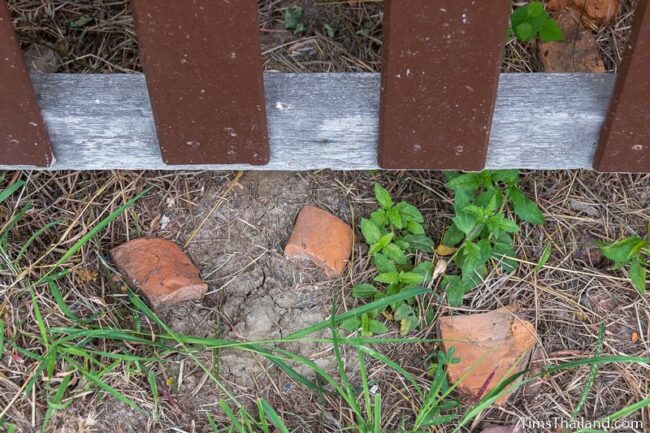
[381, 243]
[524, 32]
[410, 278]
[504, 251]
[465, 222]
[383, 264]
[388, 278]
[395, 218]
[293, 19]
[638, 275]
[415, 228]
[550, 31]
[409, 212]
[403, 311]
[535, 9]
[623, 250]
[455, 289]
[467, 182]
[364, 291]
[525, 208]
[370, 231]
[379, 217]
[453, 236]
[351, 324]
[376, 327]
[383, 197]
[425, 269]
[546, 254]
[395, 253]
[420, 243]
[509, 177]
[499, 223]
[407, 325]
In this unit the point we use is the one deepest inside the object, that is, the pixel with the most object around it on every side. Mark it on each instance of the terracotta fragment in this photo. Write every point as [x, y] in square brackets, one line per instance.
[597, 11]
[322, 238]
[160, 270]
[491, 346]
[577, 53]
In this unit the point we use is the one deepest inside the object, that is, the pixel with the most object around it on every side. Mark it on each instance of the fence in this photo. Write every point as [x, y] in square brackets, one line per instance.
[440, 102]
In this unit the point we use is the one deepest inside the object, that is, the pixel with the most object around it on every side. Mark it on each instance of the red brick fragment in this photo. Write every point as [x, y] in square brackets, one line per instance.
[491, 346]
[597, 11]
[322, 238]
[160, 270]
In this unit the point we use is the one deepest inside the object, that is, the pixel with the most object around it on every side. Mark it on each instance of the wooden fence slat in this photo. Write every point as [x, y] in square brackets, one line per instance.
[23, 135]
[320, 121]
[625, 139]
[203, 66]
[439, 81]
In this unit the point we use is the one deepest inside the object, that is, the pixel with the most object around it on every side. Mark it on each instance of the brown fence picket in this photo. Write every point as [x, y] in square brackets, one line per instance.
[203, 66]
[625, 139]
[23, 135]
[439, 81]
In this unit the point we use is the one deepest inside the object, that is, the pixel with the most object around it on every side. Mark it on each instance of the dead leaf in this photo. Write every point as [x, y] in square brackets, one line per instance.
[444, 250]
[440, 269]
[635, 337]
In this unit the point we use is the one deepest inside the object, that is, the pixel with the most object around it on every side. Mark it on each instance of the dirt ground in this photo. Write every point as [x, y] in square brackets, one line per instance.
[235, 229]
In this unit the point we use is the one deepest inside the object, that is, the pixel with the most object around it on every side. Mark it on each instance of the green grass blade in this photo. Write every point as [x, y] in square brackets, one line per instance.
[55, 403]
[10, 190]
[372, 306]
[592, 374]
[546, 254]
[273, 416]
[377, 420]
[213, 424]
[92, 232]
[505, 385]
[622, 413]
[33, 238]
[39, 319]
[58, 298]
[105, 387]
[231, 416]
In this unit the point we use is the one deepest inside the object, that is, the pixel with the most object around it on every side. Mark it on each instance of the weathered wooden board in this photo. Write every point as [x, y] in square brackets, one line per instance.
[439, 81]
[318, 121]
[23, 137]
[203, 65]
[625, 141]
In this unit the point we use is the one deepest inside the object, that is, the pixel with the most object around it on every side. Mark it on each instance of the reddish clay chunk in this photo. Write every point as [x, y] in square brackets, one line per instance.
[160, 270]
[322, 238]
[491, 346]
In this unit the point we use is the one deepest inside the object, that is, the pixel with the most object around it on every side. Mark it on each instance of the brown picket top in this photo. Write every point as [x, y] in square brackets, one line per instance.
[203, 65]
[440, 76]
[625, 139]
[23, 136]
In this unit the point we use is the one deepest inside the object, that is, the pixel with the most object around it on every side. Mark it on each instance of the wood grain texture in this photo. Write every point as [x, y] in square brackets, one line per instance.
[23, 137]
[625, 139]
[203, 65]
[440, 74]
[320, 121]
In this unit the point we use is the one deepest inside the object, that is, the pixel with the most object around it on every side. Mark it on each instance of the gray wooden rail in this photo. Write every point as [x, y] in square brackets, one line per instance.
[317, 121]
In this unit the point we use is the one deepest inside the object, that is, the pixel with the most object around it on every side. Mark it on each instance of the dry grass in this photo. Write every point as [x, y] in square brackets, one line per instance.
[567, 300]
